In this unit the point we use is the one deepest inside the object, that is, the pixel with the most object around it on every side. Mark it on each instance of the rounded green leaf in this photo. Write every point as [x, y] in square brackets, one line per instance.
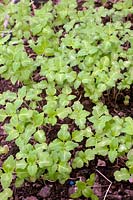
[9, 164]
[77, 135]
[87, 192]
[32, 169]
[123, 174]
[63, 133]
[40, 136]
[77, 163]
[6, 194]
[6, 180]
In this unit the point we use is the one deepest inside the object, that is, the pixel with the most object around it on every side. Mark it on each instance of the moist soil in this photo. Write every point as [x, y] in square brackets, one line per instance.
[47, 190]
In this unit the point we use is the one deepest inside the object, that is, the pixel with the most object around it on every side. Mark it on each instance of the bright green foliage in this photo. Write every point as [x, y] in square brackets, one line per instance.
[63, 134]
[128, 126]
[4, 149]
[40, 136]
[3, 115]
[83, 157]
[6, 179]
[6, 194]
[123, 174]
[9, 164]
[85, 188]
[75, 55]
[78, 114]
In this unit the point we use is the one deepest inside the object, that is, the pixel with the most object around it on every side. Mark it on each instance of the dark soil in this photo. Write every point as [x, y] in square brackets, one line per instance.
[114, 99]
[7, 85]
[46, 190]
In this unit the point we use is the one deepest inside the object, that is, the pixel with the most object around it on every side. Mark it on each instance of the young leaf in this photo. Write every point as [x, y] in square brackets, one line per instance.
[22, 92]
[4, 149]
[77, 163]
[56, 145]
[64, 168]
[69, 145]
[64, 156]
[130, 155]
[87, 192]
[123, 174]
[6, 194]
[40, 136]
[3, 115]
[12, 134]
[44, 160]
[19, 182]
[38, 118]
[25, 114]
[10, 109]
[90, 154]
[79, 115]
[91, 142]
[128, 126]
[81, 185]
[63, 112]
[76, 194]
[112, 155]
[6, 180]
[77, 135]
[91, 180]
[21, 164]
[63, 133]
[9, 164]
[32, 169]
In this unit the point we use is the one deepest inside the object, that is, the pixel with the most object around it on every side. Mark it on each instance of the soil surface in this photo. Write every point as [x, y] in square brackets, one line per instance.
[104, 170]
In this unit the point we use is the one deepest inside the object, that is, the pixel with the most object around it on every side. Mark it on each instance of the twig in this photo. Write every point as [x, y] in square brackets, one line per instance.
[108, 181]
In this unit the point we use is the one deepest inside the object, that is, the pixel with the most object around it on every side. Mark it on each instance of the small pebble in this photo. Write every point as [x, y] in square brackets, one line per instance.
[71, 182]
[72, 190]
[101, 163]
[131, 179]
[45, 192]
